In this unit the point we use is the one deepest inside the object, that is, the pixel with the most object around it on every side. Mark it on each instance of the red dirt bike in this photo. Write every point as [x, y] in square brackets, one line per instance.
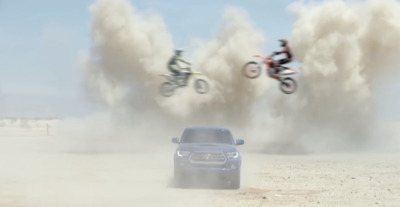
[253, 70]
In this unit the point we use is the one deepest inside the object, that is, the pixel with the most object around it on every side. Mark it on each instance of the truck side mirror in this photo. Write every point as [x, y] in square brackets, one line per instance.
[239, 142]
[175, 140]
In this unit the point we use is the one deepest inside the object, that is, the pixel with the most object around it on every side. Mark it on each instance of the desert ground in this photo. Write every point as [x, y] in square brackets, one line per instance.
[37, 172]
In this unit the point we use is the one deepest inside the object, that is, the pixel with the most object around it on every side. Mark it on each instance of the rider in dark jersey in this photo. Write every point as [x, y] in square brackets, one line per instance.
[285, 50]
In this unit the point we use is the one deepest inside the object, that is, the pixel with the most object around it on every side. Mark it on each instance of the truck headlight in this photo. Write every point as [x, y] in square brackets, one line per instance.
[232, 155]
[181, 153]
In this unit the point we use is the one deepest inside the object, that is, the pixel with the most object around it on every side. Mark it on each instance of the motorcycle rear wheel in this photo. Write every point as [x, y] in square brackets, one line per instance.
[167, 89]
[288, 85]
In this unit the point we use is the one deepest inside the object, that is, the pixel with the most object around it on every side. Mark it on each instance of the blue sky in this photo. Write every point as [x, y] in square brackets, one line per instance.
[40, 42]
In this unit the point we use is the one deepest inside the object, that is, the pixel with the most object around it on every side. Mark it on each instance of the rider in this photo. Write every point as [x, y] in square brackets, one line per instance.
[285, 50]
[173, 65]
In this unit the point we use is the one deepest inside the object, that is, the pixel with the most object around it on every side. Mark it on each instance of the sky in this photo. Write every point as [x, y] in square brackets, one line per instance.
[40, 42]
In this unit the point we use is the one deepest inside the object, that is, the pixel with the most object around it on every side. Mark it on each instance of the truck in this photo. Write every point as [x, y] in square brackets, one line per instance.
[207, 154]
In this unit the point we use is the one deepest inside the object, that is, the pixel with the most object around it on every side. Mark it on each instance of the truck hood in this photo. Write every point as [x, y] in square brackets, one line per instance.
[207, 147]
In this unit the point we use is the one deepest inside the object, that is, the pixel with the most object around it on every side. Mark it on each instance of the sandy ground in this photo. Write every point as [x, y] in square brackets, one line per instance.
[35, 171]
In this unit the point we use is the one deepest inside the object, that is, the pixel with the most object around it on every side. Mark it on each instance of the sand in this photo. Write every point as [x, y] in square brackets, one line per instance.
[36, 171]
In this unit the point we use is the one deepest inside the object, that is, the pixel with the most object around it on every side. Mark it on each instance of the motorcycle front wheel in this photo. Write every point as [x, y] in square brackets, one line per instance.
[251, 70]
[201, 86]
[288, 85]
[167, 89]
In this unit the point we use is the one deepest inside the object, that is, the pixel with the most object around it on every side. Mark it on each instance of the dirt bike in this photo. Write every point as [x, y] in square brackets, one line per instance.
[252, 70]
[167, 89]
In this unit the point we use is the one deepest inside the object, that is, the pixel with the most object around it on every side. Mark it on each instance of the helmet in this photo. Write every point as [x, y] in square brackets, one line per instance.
[178, 51]
[283, 42]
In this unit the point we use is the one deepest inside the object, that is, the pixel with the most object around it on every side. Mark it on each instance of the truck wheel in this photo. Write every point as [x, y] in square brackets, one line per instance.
[180, 180]
[235, 181]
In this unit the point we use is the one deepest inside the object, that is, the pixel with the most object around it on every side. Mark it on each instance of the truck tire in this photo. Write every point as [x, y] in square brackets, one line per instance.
[234, 183]
[180, 180]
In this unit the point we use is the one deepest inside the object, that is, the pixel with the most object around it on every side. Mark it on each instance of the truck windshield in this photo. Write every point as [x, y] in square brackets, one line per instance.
[219, 136]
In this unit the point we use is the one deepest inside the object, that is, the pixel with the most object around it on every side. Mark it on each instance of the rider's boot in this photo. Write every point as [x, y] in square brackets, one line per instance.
[185, 78]
[277, 70]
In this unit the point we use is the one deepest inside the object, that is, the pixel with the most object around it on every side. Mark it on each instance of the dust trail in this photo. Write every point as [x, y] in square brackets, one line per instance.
[347, 51]
[130, 49]
[344, 61]
[122, 70]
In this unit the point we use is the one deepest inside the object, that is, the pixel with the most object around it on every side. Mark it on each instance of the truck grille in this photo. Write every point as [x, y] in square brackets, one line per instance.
[208, 157]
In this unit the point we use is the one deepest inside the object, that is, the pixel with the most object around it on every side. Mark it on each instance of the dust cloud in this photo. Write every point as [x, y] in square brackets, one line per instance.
[232, 97]
[347, 51]
[130, 50]
[344, 60]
